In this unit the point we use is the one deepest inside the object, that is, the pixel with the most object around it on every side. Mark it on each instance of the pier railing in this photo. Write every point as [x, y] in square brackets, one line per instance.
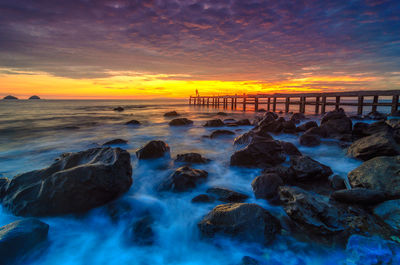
[319, 100]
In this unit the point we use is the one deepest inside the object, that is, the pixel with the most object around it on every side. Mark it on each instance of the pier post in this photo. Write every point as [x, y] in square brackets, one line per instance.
[287, 104]
[232, 102]
[274, 105]
[303, 104]
[208, 102]
[256, 103]
[269, 103]
[323, 105]
[395, 104]
[316, 105]
[337, 105]
[190, 100]
[374, 103]
[360, 105]
[244, 102]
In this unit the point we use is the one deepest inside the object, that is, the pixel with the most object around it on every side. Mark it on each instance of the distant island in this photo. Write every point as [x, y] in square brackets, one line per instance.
[10, 97]
[34, 97]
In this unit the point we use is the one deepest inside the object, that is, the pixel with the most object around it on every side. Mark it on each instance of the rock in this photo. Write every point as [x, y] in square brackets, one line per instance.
[243, 122]
[389, 211]
[266, 187]
[337, 127]
[222, 113]
[274, 126]
[133, 122]
[297, 117]
[227, 195]
[171, 114]
[214, 123]
[376, 115]
[20, 237]
[119, 210]
[153, 149]
[360, 196]
[248, 137]
[219, 133]
[203, 198]
[359, 130]
[394, 123]
[34, 97]
[290, 149]
[116, 142]
[141, 232]
[74, 183]
[378, 144]
[180, 122]
[333, 115]
[244, 221]
[3, 186]
[310, 140]
[337, 182]
[378, 127]
[270, 114]
[10, 97]
[183, 179]
[306, 169]
[262, 153]
[379, 173]
[306, 126]
[317, 131]
[231, 122]
[289, 127]
[191, 158]
[246, 260]
[119, 109]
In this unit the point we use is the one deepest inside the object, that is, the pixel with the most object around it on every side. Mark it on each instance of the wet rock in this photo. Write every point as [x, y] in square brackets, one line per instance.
[336, 123]
[180, 122]
[220, 133]
[227, 195]
[133, 122]
[183, 179]
[266, 187]
[153, 150]
[171, 114]
[378, 127]
[74, 183]
[191, 158]
[119, 209]
[337, 182]
[379, 173]
[290, 149]
[246, 260]
[20, 237]
[317, 131]
[230, 122]
[116, 142]
[34, 97]
[333, 115]
[141, 232]
[289, 126]
[297, 117]
[243, 122]
[306, 126]
[9, 97]
[248, 137]
[379, 144]
[306, 169]
[360, 196]
[310, 140]
[262, 153]
[222, 113]
[359, 130]
[203, 198]
[376, 115]
[3, 186]
[389, 211]
[244, 221]
[214, 123]
[119, 109]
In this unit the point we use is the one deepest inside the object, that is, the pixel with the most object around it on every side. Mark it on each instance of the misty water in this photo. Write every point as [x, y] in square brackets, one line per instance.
[34, 133]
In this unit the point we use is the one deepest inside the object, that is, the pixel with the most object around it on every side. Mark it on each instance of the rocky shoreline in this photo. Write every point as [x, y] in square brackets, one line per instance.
[318, 206]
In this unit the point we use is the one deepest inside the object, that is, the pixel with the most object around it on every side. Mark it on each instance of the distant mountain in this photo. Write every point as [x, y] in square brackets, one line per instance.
[34, 97]
[10, 97]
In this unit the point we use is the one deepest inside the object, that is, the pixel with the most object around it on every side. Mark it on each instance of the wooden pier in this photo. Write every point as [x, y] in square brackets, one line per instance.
[320, 101]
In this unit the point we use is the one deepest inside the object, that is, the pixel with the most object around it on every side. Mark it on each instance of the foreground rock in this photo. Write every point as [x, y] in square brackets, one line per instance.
[75, 183]
[20, 237]
[221, 133]
[306, 169]
[380, 173]
[183, 179]
[226, 195]
[310, 140]
[389, 211]
[248, 137]
[336, 123]
[266, 187]
[244, 221]
[171, 114]
[116, 142]
[360, 196]
[191, 158]
[180, 122]
[214, 123]
[153, 150]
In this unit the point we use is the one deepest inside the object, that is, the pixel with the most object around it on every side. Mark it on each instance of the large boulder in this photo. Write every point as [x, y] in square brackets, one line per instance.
[306, 126]
[261, 153]
[266, 186]
[180, 122]
[389, 211]
[379, 173]
[290, 149]
[74, 183]
[183, 179]
[226, 195]
[248, 137]
[306, 169]
[297, 117]
[244, 221]
[360, 196]
[153, 149]
[214, 123]
[20, 237]
[273, 126]
[308, 139]
[378, 144]
[191, 158]
[336, 123]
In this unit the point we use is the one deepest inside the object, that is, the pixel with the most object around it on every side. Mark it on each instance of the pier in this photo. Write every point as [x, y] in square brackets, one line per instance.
[320, 101]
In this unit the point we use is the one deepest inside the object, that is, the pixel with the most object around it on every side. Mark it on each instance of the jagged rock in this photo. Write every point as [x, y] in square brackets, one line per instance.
[379, 173]
[171, 114]
[310, 140]
[219, 133]
[248, 137]
[153, 149]
[203, 198]
[191, 158]
[133, 122]
[266, 187]
[141, 232]
[290, 149]
[116, 142]
[360, 196]
[119, 109]
[180, 122]
[20, 237]
[214, 123]
[297, 117]
[227, 195]
[74, 183]
[306, 169]
[306, 126]
[337, 182]
[183, 179]
[389, 211]
[336, 123]
[244, 221]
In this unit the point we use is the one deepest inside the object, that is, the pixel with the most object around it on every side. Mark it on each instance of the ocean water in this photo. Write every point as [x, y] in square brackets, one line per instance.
[34, 133]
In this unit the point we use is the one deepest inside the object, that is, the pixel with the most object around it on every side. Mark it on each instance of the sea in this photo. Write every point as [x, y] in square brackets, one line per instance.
[35, 132]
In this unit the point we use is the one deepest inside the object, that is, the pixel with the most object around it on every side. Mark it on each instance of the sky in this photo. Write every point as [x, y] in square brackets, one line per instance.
[154, 48]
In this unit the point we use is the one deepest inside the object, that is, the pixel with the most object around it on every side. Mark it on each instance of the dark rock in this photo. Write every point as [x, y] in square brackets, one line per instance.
[297, 117]
[309, 139]
[306, 169]
[306, 126]
[133, 122]
[3, 186]
[244, 221]
[222, 113]
[10, 97]
[246, 260]
[119, 210]
[376, 115]
[116, 142]
[227, 195]
[119, 109]
[153, 149]
[180, 122]
[262, 153]
[75, 183]
[333, 115]
[394, 123]
[359, 130]
[389, 211]
[171, 114]
[379, 144]
[230, 122]
[203, 198]
[248, 137]
[317, 131]
[214, 123]
[243, 122]
[290, 149]
[274, 126]
[379, 173]
[219, 133]
[337, 182]
[271, 114]
[20, 237]
[266, 187]
[360, 196]
[289, 126]
[34, 97]
[261, 110]
[337, 127]
[183, 179]
[191, 158]
[282, 171]
[141, 232]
